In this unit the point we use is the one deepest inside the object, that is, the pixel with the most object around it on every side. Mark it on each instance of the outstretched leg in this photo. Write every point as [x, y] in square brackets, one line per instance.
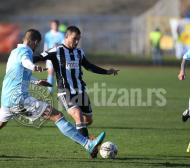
[70, 131]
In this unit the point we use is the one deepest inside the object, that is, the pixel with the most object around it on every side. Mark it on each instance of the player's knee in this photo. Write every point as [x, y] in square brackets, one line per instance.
[53, 114]
[58, 116]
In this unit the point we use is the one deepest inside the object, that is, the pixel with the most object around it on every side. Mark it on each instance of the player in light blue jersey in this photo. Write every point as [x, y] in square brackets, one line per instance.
[182, 76]
[15, 98]
[52, 39]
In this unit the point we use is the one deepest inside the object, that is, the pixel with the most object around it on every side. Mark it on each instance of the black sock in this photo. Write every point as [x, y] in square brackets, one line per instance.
[81, 127]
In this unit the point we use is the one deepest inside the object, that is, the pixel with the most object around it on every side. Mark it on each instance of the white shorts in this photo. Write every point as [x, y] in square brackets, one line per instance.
[49, 64]
[31, 109]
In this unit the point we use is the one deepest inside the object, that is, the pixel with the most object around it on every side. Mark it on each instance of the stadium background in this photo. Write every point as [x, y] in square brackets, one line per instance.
[113, 32]
[121, 28]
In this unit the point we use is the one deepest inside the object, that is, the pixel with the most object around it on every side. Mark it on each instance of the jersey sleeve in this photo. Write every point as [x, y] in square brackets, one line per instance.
[187, 56]
[27, 63]
[46, 55]
[91, 67]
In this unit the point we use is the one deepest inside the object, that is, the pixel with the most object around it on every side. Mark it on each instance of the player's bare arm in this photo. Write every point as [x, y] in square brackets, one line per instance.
[182, 74]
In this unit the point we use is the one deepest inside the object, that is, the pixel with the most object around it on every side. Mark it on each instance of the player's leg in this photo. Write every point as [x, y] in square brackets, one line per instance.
[2, 124]
[5, 116]
[36, 109]
[50, 77]
[65, 127]
[87, 119]
[157, 56]
[70, 105]
[81, 115]
[153, 51]
[76, 114]
[160, 56]
[70, 131]
[87, 116]
[86, 109]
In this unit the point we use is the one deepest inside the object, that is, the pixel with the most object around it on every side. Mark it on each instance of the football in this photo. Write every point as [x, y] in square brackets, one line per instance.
[108, 150]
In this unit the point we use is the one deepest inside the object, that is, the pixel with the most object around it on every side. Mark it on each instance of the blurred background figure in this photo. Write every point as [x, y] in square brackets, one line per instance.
[53, 38]
[62, 28]
[156, 51]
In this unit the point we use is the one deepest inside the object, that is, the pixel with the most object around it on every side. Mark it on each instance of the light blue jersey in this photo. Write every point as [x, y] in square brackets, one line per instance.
[53, 38]
[187, 55]
[17, 78]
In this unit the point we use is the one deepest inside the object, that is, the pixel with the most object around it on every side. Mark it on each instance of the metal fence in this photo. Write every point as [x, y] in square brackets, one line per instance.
[99, 33]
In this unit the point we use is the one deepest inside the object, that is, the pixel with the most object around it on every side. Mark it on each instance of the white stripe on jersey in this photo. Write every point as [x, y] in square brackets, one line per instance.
[59, 61]
[45, 53]
[77, 75]
[68, 72]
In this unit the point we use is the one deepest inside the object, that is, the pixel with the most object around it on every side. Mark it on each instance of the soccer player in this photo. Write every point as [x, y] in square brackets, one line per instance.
[15, 98]
[182, 76]
[52, 38]
[67, 61]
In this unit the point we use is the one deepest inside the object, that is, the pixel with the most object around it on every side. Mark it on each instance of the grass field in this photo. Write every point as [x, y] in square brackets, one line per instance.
[146, 136]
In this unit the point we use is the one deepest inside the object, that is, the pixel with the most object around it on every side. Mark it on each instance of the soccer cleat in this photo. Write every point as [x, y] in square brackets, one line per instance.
[188, 148]
[185, 115]
[95, 143]
[94, 155]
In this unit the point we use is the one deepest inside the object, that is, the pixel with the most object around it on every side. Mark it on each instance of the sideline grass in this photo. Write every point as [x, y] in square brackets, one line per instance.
[150, 136]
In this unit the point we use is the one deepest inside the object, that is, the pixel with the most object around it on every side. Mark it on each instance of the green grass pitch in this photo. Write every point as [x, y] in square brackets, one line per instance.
[146, 136]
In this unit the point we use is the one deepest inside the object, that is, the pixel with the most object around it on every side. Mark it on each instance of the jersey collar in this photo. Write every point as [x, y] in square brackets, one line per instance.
[68, 48]
[25, 46]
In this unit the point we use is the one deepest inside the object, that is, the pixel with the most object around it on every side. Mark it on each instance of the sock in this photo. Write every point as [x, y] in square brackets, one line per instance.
[81, 127]
[50, 79]
[87, 146]
[70, 131]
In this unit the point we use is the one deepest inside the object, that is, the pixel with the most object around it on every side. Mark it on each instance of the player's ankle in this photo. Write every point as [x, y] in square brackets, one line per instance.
[87, 146]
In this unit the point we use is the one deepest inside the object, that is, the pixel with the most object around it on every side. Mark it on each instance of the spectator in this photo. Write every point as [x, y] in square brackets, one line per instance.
[155, 37]
[52, 39]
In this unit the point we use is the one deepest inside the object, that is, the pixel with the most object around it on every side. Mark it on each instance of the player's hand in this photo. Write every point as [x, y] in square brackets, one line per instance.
[181, 75]
[112, 71]
[39, 68]
[43, 82]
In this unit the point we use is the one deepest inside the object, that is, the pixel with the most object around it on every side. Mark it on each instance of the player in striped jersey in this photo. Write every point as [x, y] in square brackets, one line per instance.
[67, 61]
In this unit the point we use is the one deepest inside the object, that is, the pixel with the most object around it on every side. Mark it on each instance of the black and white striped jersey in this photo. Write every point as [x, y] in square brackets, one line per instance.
[67, 65]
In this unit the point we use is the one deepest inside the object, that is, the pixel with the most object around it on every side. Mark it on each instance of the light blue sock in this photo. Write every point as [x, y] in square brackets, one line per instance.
[70, 131]
[50, 79]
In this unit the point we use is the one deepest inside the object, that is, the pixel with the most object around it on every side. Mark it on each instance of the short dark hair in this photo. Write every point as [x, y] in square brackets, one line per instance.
[33, 35]
[55, 21]
[72, 29]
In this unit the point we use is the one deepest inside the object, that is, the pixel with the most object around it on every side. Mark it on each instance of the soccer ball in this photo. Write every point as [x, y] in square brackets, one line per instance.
[108, 150]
